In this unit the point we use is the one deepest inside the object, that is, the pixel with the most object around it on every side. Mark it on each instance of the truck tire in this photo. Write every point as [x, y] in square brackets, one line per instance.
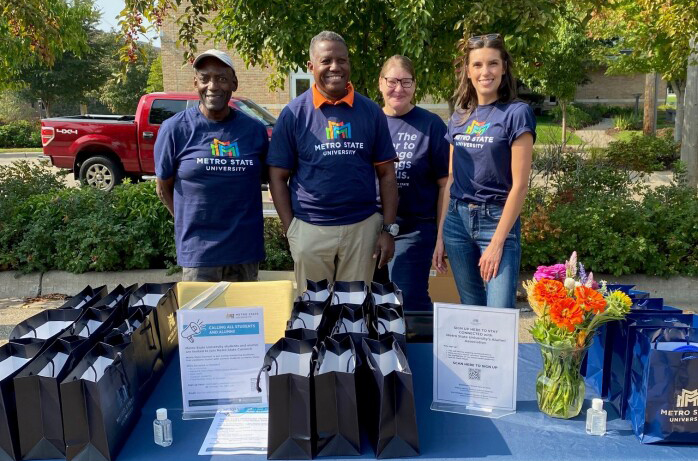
[101, 172]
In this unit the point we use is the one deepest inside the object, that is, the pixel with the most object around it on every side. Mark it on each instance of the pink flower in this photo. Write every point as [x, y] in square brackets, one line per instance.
[591, 283]
[554, 272]
[571, 265]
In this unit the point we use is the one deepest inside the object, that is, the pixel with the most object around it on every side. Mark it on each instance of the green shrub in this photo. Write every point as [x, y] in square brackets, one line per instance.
[46, 226]
[627, 122]
[644, 153]
[576, 117]
[20, 134]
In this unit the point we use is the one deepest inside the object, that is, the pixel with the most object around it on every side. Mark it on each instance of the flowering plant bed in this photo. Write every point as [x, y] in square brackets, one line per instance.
[570, 306]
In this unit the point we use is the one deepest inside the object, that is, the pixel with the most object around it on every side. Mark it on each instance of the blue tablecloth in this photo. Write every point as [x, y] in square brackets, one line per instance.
[528, 434]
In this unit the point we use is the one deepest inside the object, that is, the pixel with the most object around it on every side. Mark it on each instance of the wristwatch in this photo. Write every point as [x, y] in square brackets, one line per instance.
[393, 229]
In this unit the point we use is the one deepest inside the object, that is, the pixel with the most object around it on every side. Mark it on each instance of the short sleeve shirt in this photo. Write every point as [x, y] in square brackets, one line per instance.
[482, 150]
[331, 152]
[418, 138]
[217, 169]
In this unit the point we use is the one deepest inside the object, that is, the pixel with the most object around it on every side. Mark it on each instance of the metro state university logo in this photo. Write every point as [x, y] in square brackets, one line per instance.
[338, 130]
[687, 398]
[224, 149]
[477, 128]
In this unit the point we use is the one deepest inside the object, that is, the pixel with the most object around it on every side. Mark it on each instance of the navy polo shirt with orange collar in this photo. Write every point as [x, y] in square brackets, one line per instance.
[331, 149]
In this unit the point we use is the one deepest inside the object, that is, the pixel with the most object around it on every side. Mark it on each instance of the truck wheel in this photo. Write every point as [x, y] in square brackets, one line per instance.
[101, 172]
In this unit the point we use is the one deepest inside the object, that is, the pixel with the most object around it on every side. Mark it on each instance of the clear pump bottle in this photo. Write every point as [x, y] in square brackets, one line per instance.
[596, 418]
[162, 428]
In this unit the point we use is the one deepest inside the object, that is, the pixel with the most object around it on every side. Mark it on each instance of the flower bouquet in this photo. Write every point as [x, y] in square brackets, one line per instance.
[570, 306]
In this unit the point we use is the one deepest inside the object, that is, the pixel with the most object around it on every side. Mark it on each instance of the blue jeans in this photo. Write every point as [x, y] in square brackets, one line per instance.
[409, 269]
[468, 229]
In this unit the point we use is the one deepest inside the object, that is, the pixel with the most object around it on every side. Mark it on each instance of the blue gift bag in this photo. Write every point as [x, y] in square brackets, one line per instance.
[596, 368]
[663, 402]
[621, 350]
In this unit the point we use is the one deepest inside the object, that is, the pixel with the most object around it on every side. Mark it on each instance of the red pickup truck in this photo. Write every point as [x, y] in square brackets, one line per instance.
[103, 149]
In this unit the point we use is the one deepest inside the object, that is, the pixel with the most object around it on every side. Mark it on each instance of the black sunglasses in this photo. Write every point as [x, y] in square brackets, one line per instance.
[481, 39]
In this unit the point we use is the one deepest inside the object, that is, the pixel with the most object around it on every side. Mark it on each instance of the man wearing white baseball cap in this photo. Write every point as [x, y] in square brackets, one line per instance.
[209, 163]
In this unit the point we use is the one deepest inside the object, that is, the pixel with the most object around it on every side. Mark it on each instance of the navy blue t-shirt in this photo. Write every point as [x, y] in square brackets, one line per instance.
[482, 150]
[331, 152]
[217, 168]
[418, 138]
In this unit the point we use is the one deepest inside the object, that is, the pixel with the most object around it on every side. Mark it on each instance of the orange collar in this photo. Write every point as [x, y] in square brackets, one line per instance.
[319, 99]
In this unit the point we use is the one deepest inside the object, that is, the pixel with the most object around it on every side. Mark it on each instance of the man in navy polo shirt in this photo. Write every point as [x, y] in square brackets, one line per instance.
[209, 162]
[327, 148]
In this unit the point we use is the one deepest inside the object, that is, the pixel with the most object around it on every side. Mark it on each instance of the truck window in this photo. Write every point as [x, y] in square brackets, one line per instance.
[255, 111]
[162, 109]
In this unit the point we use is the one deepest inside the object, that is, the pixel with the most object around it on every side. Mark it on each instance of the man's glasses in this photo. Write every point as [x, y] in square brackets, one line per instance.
[479, 40]
[404, 82]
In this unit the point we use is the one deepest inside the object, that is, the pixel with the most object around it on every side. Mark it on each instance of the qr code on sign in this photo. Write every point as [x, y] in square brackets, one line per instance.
[474, 374]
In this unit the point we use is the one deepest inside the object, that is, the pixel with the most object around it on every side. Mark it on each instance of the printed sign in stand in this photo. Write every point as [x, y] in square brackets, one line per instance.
[220, 350]
[475, 359]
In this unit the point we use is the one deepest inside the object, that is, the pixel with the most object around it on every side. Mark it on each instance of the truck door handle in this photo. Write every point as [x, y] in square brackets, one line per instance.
[148, 135]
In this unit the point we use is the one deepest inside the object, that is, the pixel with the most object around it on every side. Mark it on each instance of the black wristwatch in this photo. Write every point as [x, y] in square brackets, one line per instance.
[393, 229]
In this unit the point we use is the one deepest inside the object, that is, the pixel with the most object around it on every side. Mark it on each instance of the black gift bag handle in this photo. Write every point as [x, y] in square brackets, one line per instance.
[266, 368]
[149, 328]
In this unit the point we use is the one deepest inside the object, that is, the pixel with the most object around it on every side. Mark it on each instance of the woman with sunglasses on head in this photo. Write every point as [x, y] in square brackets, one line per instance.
[422, 171]
[491, 136]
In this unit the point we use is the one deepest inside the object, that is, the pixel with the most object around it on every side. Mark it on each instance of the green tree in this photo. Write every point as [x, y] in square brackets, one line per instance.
[123, 90]
[38, 31]
[277, 34]
[562, 65]
[155, 82]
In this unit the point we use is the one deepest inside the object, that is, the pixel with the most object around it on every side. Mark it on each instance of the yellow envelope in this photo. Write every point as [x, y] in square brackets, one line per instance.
[276, 298]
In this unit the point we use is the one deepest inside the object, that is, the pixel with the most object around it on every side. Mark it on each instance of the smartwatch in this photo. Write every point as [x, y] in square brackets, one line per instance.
[393, 229]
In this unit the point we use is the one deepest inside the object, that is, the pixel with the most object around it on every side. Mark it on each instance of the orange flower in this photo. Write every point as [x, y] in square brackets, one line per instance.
[565, 313]
[590, 299]
[548, 291]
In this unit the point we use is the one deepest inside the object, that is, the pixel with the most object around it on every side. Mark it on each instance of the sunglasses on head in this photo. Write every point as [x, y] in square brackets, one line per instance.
[481, 39]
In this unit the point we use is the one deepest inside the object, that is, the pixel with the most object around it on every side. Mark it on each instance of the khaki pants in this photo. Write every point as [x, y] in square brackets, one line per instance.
[343, 253]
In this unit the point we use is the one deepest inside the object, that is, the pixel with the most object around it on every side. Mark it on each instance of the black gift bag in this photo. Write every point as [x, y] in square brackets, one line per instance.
[316, 291]
[37, 393]
[288, 365]
[350, 292]
[96, 321]
[149, 294]
[663, 403]
[86, 298]
[389, 319]
[47, 324]
[140, 330]
[353, 323]
[14, 356]
[99, 403]
[301, 334]
[386, 293]
[166, 323]
[392, 415]
[336, 410]
[306, 314]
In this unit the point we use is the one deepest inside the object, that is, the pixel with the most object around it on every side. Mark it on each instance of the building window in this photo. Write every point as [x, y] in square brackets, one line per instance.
[300, 83]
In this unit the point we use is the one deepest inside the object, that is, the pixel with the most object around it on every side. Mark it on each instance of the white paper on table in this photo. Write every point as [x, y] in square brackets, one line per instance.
[475, 356]
[220, 353]
[240, 431]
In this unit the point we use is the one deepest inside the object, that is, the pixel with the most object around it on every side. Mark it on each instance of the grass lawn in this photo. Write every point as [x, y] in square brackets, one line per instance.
[627, 134]
[549, 132]
[20, 149]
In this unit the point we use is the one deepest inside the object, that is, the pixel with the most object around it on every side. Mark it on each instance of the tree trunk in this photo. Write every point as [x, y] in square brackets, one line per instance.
[679, 89]
[649, 121]
[563, 109]
[689, 144]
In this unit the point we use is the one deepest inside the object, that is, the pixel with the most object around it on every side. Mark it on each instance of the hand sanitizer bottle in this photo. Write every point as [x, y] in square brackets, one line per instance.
[162, 428]
[596, 418]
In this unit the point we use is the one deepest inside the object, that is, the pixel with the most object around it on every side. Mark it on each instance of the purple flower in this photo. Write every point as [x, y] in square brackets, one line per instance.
[554, 272]
[582, 274]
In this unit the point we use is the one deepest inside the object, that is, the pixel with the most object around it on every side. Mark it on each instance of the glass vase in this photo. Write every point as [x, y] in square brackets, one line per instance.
[559, 384]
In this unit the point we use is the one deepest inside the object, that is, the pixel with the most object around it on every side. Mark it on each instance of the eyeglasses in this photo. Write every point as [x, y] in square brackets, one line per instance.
[404, 82]
[479, 40]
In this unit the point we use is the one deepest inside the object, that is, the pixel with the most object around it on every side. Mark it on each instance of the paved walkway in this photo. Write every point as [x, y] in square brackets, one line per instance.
[595, 135]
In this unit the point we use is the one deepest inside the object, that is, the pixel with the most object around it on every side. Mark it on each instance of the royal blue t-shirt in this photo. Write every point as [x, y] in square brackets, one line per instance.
[418, 138]
[217, 168]
[482, 150]
[331, 152]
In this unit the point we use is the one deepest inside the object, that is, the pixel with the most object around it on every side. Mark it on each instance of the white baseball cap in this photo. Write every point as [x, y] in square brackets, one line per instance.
[213, 53]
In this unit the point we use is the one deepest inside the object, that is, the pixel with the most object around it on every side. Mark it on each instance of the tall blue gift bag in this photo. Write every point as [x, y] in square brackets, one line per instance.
[663, 401]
